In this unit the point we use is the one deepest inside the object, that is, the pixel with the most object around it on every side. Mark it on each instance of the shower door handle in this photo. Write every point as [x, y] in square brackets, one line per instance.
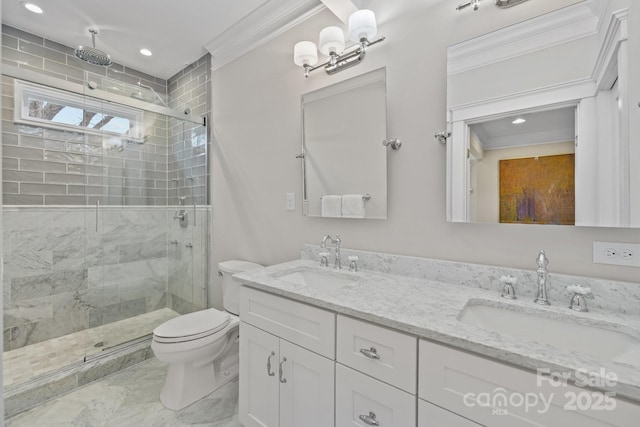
[194, 212]
[97, 214]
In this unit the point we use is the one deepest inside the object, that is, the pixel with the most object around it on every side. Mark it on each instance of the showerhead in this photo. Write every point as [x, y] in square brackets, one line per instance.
[91, 54]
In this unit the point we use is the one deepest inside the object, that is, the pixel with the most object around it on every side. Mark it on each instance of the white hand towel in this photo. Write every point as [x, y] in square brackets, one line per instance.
[353, 206]
[332, 206]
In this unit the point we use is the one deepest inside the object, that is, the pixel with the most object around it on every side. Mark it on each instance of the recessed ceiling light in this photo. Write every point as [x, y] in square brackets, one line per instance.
[146, 52]
[33, 8]
[519, 120]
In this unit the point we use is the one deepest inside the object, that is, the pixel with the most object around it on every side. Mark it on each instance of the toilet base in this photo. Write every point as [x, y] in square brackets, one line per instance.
[186, 384]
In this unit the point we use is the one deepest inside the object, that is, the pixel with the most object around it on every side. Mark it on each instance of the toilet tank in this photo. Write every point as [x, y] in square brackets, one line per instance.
[226, 270]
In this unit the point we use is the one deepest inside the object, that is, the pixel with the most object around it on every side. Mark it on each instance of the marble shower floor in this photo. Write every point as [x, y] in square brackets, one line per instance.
[131, 398]
[26, 363]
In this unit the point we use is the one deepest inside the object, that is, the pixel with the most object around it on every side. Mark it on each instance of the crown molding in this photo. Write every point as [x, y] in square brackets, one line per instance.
[271, 19]
[545, 31]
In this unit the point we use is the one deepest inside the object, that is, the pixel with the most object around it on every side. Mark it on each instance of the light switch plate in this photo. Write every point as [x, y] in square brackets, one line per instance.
[291, 201]
[617, 253]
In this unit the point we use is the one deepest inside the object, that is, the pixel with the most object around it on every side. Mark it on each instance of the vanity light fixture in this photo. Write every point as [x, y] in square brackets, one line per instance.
[519, 120]
[502, 4]
[362, 28]
[31, 7]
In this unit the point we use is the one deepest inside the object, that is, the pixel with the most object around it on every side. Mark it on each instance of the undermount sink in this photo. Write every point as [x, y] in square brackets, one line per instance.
[317, 278]
[552, 328]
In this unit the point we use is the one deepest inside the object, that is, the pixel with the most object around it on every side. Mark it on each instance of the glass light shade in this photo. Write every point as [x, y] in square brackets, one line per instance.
[362, 23]
[305, 53]
[331, 40]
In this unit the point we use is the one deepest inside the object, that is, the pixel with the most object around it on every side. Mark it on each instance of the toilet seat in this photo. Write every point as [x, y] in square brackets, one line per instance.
[191, 326]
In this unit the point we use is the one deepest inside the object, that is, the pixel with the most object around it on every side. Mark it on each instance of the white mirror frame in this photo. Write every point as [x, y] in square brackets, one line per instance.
[591, 206]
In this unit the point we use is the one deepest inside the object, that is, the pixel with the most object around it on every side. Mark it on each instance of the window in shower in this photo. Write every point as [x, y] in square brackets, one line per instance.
[43, 106]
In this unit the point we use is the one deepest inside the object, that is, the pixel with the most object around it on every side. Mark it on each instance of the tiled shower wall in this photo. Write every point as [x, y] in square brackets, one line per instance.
[60, 274]
[190, 88]
[64, 274]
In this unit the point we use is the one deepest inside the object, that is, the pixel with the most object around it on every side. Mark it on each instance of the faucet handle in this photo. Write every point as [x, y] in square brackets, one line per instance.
[578, 302]
[353, 262]
[508, 291]
[324, 259]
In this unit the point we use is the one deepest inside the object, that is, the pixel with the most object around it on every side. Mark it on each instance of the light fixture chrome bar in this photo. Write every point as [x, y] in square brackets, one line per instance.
[337, 63]
[503, 4]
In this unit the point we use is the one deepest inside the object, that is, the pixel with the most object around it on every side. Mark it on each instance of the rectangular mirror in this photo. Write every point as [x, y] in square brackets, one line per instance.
[344, 160]
[562, 96]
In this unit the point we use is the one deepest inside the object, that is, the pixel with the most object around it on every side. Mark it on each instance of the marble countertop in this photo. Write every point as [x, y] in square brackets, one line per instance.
[430, 309]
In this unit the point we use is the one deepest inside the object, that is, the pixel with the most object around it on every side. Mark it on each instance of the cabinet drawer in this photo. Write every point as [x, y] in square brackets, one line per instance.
[309, 327]
[464, 383]
[434, 416]
[388, 355]
[358, 395]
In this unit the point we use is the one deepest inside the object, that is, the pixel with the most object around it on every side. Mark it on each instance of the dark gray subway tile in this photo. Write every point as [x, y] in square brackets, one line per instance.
[64, 178]
[11, 31]
[63, 69]
[10, 187]
[22, 58]
[41, 51]
[9, 163]
[88, 190]
[9, 41]
[63, 200]
[26, 188]
[22, 199]
[59, 47]
[39, 165]
[9, 138]
[23, 153]
[21, 176]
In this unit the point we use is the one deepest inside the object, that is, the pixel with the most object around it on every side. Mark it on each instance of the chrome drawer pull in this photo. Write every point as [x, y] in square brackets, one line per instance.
[282, 380]
[370, 419]
[269, 364]
[371, 353]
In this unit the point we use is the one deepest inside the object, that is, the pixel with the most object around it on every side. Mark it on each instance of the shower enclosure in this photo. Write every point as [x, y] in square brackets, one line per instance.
[105, 218]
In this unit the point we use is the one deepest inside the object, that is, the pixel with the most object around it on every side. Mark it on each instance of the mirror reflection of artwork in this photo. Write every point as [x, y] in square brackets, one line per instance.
[538, 190]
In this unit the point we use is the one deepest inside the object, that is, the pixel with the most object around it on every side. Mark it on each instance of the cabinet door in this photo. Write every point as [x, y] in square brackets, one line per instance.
[259, 356]
[306, 387]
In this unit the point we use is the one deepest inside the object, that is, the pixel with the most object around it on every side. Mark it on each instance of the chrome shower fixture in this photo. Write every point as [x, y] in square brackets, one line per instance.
[502, 4]
[140, 96]
[91, 54]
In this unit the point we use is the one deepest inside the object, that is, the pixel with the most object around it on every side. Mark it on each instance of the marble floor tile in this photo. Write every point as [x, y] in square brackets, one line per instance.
[131, 398]
[26, 363]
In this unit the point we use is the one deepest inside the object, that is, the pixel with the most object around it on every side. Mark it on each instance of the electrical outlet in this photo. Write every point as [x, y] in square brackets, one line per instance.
[616, 253]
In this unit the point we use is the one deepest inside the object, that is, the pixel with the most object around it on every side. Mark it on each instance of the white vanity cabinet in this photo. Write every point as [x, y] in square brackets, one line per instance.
[375, 375]
[283, 383]
[463, 383]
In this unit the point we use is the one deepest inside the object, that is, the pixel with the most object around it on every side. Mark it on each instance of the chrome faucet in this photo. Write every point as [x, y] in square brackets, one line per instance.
[543, 279]
[336, 242]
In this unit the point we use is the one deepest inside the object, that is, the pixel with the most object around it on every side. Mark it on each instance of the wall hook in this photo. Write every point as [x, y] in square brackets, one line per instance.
[394, 143]
[442, 136]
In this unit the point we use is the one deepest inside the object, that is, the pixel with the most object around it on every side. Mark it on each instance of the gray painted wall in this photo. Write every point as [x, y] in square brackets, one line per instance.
[256, 134]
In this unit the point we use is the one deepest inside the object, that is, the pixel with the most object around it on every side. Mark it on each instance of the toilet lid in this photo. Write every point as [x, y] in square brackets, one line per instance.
[193, 324]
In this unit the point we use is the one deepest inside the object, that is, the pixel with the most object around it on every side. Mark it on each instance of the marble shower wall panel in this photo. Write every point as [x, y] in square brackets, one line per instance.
[62, 276]
[188, 267]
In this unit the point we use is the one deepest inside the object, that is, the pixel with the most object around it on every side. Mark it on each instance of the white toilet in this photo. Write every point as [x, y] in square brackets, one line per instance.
[201, 348]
